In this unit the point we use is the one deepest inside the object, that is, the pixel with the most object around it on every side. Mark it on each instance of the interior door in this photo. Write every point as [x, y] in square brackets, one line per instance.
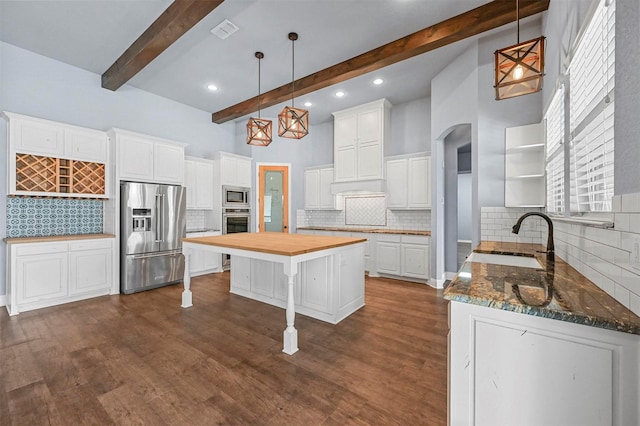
[273, 199]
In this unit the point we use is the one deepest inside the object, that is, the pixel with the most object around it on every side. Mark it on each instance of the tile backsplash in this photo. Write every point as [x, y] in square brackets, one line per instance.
[417, 220]
[605, 256]
[41, 217]
[195, 220]
[496, 223]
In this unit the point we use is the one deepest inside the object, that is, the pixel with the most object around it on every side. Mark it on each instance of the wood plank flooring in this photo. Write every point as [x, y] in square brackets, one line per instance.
[142, 360]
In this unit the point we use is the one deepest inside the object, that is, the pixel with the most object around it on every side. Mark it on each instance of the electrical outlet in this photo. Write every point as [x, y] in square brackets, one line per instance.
[635, 252]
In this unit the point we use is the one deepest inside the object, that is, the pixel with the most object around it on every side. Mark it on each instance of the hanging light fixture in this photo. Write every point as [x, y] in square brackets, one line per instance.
[259, 131]
[293, 122]
[519, 68]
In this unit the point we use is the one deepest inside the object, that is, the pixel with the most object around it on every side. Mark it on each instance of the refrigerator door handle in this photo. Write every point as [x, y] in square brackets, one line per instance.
[159, 218]
[150, 255]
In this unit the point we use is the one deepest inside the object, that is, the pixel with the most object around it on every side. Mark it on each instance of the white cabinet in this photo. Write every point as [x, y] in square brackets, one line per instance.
[503, 364]
[235, 170]
[408, 182]
[148, 159]
[30, 135]
[46, 158]
[201, 261]
[388, 252]
[317, 189]
[524, 166]
[198, 179]
[403, 255]
[359, 138]
[90, 266]
[42, 274]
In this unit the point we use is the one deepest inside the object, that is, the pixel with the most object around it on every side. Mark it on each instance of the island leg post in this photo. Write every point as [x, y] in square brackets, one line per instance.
[290, 333]
[187, 297]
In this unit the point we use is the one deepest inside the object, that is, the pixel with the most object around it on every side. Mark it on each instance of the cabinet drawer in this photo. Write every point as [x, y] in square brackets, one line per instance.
[388, 238]
[103, 243]
[41, 248]
[415, 239]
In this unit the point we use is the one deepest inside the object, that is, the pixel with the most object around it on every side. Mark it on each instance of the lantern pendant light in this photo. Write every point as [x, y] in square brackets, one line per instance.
[259, 131]
[293, 122]
[519, 68]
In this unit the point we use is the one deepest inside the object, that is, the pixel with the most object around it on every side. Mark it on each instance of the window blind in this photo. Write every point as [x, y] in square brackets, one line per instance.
[554, 135]
[591, 76]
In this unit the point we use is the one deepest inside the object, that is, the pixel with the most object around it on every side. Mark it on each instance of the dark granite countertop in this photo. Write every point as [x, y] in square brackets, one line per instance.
[556, 291]
[367, 230]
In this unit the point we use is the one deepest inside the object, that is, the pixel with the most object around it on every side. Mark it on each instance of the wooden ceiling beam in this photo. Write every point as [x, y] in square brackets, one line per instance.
[483, 18]
[174, 22]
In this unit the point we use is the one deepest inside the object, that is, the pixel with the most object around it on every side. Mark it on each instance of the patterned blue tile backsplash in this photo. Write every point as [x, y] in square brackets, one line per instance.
[41, 217]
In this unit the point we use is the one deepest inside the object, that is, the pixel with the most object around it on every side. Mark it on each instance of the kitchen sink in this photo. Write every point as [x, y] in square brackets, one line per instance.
[505, 259]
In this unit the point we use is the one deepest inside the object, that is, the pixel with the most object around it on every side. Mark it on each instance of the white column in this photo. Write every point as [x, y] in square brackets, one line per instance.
[290, 333]
[187, 297]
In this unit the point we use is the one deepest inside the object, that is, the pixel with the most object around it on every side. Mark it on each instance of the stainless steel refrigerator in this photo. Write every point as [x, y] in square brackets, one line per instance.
[152, 225]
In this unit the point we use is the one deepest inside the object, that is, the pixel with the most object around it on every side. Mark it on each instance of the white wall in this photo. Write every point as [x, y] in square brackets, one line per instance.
[38, 86]
[454, 99]
[410, 128]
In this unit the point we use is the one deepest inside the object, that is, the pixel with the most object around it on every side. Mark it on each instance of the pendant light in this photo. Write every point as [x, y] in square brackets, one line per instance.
[259, 131]
[519, 68]
[293, 122]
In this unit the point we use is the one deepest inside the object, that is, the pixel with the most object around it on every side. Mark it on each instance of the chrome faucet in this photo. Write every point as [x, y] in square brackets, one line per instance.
[550, 247]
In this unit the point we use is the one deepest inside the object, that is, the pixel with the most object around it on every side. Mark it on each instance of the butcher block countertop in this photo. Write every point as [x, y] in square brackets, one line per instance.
[55, 238]
[366, 230]
[276, 242]
[555, 291]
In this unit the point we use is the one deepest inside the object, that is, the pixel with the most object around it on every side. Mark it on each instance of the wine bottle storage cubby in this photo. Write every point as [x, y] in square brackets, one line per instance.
[35, 173]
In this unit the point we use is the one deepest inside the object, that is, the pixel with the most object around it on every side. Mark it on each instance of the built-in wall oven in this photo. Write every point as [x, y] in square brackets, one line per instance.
[234, 220]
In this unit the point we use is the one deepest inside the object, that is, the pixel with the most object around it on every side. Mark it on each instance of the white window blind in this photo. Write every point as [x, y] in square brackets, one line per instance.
[591, 76]
[554, 135]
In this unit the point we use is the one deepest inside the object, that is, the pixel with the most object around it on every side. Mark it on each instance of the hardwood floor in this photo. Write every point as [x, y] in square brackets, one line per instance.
[141, 359]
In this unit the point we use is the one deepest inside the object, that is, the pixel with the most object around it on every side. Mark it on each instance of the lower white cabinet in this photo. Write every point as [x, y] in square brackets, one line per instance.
[42, 274]
[397, 255]
[512, 368]
[202, 262]
[403, 255]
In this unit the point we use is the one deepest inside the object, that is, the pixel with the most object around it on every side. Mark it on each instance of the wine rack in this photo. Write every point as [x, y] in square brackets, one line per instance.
[35, 173]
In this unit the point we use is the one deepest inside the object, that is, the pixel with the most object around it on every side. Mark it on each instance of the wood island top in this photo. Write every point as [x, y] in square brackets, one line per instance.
[276, 242]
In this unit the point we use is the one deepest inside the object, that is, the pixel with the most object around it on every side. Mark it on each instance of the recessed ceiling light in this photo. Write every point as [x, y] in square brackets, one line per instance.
[378, 81]
[340, 94]
[212, 87]
[308, 104]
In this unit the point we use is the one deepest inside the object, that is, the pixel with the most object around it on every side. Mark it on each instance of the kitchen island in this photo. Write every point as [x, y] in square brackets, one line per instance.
[538, 345]
[327, 271]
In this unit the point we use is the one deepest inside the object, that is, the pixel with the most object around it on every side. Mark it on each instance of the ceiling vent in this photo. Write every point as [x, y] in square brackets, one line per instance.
[224, 29]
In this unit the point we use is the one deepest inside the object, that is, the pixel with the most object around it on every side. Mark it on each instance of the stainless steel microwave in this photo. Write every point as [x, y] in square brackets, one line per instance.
[234, 196]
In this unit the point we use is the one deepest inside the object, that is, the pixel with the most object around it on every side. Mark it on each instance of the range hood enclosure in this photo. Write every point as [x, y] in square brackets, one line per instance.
[359, 187]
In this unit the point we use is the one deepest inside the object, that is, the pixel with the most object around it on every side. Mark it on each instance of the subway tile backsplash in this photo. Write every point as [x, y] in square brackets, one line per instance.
[496, 223]
[417, 220]
[195, 220]
[42, 217]
[606, 256]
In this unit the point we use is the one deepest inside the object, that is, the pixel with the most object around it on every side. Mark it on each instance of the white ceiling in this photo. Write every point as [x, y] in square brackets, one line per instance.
[93, 34]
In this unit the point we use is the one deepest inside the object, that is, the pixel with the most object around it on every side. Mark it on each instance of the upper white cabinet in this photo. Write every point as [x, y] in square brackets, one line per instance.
[317, 189]
[198, 179]
[359, 137]
[235, 170]
[148, 159]
[524, 166]
[46, 158]
[409, 182]
[30, 135]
